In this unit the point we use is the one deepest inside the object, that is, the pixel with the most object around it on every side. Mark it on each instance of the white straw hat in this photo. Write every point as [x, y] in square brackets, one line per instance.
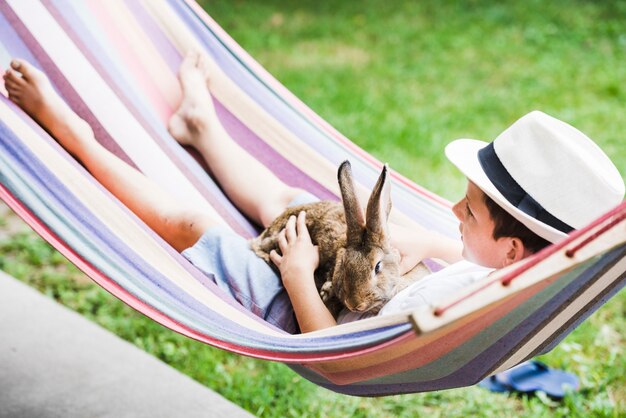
[545, 173]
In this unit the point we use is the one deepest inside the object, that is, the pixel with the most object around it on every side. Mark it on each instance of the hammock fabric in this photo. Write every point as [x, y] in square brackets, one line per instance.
[115, 64]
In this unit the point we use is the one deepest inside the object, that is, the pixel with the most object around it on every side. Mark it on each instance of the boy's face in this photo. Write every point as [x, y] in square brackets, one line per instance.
[476, 228]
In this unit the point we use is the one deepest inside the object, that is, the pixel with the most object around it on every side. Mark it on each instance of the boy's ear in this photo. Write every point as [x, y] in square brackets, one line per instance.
[516, 251]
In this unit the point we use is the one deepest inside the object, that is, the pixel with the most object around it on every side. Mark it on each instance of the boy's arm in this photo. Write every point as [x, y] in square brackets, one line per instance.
[311, 312]
[297, 264]
[417, 244]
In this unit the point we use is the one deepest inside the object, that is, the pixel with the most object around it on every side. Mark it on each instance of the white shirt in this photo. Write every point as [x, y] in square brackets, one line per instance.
[428, 290]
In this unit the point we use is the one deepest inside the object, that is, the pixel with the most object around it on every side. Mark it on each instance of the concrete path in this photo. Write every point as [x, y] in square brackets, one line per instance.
[55, 363]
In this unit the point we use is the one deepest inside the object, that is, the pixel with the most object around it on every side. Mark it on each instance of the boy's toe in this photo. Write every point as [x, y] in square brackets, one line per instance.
[9, 75]
[13, 96]
[12, 76]
[24, 68]
[188, 61]
[203, 63]
[196, 59]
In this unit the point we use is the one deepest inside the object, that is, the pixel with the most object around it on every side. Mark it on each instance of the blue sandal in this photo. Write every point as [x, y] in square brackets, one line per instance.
[529, 377]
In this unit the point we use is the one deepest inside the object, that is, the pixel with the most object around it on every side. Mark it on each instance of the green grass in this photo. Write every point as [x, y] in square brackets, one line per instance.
[401, 79]
[594, 352]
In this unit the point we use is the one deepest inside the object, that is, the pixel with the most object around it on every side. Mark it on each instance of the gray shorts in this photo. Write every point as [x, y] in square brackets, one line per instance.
[227, 259]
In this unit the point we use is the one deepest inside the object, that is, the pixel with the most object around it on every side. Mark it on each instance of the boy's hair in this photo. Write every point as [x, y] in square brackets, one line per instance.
[505, 225]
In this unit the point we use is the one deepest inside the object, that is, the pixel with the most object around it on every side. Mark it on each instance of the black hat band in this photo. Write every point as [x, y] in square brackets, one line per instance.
[513, 192]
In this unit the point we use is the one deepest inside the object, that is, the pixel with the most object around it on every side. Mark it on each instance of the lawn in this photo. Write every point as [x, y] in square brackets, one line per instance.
[401, 79]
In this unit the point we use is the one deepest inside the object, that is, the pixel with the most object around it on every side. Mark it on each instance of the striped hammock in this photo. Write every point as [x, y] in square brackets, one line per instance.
[115, 63]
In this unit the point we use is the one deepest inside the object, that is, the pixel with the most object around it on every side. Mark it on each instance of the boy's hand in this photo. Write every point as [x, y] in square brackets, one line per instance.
[299, 256]
[297, 264]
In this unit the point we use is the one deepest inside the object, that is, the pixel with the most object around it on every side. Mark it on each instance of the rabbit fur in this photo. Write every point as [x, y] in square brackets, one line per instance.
[358, 268]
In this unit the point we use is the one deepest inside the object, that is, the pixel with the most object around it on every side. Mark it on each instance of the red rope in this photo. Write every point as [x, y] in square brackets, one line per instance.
[572, 251]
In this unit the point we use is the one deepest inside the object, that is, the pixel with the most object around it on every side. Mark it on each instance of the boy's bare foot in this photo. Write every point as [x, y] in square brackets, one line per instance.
[31, 90]
[195, 117]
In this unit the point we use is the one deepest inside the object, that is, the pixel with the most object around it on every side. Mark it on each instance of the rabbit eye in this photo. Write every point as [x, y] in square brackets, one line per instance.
[377, 268]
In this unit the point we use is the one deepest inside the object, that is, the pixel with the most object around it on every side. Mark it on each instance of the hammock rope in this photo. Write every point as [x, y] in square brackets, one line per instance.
[571, 253]
[115, 64]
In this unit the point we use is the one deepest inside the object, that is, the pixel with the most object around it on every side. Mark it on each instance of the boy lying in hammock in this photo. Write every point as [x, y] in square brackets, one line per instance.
[570, 180]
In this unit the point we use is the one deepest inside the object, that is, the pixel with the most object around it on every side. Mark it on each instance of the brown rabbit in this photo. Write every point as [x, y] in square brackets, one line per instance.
[358, 268]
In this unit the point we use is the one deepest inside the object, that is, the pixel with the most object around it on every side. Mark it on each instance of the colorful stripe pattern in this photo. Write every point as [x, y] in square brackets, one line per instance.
[115, 64]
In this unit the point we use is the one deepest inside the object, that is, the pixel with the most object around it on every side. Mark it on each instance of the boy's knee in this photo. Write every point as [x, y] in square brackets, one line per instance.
[184, 229]
[271, 211]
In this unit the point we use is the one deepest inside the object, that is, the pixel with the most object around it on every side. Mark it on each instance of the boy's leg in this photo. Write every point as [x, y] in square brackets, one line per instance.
[181, 227]
[254, 189]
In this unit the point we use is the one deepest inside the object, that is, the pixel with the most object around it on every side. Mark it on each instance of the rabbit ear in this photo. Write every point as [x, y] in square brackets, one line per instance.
[379, 205]
[354, 214]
